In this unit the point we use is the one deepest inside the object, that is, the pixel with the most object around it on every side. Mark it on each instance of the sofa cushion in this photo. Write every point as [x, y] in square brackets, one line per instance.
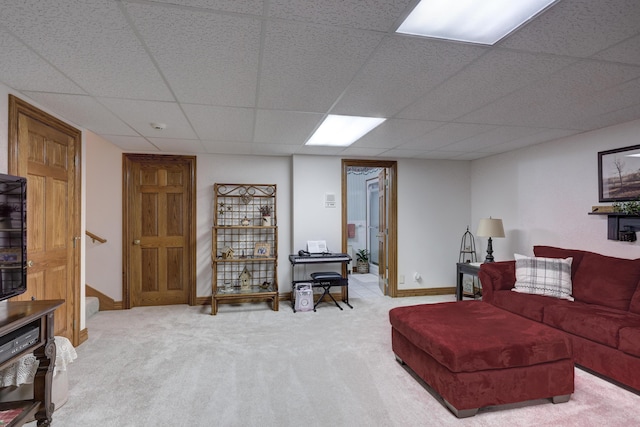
[593, 322]
[630, 341]
[606, 280]
[543, 276]
[634, 305]
[526, 305]
[553, 252]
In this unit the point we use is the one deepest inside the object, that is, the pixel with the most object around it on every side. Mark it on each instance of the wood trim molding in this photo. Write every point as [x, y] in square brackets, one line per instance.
[84, 335]
[425, 292]
[106, 302]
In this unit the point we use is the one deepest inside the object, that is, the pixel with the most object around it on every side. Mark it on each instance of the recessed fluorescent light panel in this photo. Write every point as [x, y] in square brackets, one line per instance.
[342, 131]
[474, 21]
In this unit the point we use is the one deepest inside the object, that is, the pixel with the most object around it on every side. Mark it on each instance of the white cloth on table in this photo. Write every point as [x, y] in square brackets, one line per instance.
[23, 371]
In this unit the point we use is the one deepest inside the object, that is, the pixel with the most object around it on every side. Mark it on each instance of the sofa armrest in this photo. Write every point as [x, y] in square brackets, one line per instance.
[495, 276]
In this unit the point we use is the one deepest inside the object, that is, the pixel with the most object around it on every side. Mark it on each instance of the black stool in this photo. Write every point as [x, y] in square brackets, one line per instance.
[326, 280]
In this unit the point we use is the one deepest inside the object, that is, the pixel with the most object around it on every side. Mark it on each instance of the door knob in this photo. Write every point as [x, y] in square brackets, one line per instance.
[30, 263]
[136, 242]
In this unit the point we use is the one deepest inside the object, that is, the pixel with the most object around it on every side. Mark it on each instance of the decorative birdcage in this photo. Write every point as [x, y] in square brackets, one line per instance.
[468, 248]
[471, 284]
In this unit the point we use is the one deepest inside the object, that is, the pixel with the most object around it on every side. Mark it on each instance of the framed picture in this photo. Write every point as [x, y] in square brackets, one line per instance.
[619, 174]
[10, 256]
[262, 249]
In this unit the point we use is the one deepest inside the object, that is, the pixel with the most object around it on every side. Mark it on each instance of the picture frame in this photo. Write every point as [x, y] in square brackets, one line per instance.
[262, 250]
[10, 256]
[619, 174]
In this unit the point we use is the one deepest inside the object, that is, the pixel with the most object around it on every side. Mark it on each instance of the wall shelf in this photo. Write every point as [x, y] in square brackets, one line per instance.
[617, 222]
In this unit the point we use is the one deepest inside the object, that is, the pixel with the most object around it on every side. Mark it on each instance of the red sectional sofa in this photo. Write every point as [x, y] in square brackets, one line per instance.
[603, 321]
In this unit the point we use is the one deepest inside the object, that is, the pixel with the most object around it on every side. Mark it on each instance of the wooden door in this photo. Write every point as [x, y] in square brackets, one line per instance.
[382, 231]
[159, 234]
[47, 152]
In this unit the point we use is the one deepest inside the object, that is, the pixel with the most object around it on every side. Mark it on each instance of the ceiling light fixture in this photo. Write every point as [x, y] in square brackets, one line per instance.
[483, 22]
[342, 131]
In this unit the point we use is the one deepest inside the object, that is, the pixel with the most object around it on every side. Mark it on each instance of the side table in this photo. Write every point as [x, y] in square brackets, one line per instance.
[462, 268]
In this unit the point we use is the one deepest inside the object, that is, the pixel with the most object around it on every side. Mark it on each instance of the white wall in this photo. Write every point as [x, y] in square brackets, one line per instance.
[103, 168]
[242, 170]
[543, 194]
[433, 214]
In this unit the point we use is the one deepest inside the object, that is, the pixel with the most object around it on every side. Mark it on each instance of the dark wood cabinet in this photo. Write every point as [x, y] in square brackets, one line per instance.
[18, 318]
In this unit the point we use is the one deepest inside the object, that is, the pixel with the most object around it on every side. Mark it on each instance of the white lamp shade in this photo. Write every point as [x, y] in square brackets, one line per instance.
[490, 227]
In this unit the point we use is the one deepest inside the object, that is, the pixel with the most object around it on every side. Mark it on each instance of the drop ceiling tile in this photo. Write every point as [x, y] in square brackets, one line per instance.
[544, 135]
[273, 149]
[380, 15]
[578, 28]
[285, 127]
[22, 69]
[627, 52]
[558, 101]
[606, 103]
[221, 123]
[401, 70]
[306, 67]
[496, 136]
[140, 114]
[253, 7]
[217, 147]
[173, 145]
[84, 111]
[319, 150]
[495, 74]
[399, 153]
[394, 132]
[363, 152]
[131, 143]
[447, 134]
[615, 117]
[470, 155]
[207, 58]
[91, 42]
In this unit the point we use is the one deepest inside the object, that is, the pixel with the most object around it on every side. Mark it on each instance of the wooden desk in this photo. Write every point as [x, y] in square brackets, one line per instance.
[462, 268]
[21, 316]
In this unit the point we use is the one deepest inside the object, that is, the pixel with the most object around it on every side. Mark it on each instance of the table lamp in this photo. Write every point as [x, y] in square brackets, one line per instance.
[490, 227]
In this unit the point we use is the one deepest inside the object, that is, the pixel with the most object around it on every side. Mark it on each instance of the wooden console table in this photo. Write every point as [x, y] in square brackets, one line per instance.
[18, 317]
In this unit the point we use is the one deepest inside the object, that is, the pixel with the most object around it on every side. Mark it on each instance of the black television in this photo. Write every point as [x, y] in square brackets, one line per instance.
[13, 236]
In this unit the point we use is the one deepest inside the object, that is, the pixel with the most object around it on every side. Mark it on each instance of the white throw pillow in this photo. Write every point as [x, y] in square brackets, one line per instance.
[544, 276]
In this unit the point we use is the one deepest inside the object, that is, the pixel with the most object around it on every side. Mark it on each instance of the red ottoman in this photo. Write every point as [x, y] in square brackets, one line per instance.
[474, 354]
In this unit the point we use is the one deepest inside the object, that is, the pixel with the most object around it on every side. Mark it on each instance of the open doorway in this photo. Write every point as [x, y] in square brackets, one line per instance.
[369, 226]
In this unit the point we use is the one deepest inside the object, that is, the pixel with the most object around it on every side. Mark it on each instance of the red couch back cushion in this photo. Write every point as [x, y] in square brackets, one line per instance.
[634, 307]
[552, 252]
[600, 279]
[606, 280]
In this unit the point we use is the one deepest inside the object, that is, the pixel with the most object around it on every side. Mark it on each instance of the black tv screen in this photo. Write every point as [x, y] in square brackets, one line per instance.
[13, 236]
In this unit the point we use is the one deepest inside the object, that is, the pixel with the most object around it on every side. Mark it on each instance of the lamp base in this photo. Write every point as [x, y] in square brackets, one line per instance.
[489, 257]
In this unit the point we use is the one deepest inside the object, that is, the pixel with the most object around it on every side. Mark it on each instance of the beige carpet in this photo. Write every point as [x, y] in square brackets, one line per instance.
[250, 366]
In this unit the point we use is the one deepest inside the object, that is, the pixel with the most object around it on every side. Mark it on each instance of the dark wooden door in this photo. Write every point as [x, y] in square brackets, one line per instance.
[159, 236]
